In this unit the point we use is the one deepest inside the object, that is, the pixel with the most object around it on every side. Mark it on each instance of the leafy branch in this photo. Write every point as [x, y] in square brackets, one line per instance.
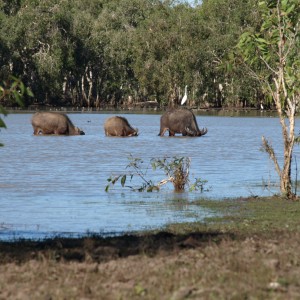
[12, 88]
[176, 171]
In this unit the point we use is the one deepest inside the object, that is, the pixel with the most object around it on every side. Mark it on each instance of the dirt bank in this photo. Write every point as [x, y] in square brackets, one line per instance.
[159, 266]
[254, 254]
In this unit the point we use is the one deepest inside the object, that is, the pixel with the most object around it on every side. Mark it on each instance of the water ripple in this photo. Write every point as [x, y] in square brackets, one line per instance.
[56, 184]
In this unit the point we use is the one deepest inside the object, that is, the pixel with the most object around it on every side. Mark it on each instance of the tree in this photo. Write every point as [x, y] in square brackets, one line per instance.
[275, 51]
[12, 88]
[222, 22]
[87, 53]
[166, 53]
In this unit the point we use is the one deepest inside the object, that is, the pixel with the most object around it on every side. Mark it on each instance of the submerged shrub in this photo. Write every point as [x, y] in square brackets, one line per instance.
[176, 171]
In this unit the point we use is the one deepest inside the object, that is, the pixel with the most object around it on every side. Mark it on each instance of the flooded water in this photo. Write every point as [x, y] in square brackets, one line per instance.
[55, 185]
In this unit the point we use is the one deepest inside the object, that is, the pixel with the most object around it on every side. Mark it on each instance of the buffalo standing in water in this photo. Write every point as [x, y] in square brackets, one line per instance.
[180, 120]
[53, 123]
[119, 126]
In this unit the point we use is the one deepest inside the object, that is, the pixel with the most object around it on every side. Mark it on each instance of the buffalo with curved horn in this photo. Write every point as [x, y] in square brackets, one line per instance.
[180, 120]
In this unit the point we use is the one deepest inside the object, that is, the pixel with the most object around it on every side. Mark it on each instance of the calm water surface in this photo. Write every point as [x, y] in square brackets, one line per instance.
[55, 185]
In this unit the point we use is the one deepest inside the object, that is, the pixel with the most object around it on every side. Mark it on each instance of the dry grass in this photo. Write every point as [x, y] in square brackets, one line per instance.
[205, 263]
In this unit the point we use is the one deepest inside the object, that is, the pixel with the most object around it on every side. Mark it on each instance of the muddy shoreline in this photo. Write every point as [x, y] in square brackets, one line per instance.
[197, 265]
[252, 251]
[99, 249]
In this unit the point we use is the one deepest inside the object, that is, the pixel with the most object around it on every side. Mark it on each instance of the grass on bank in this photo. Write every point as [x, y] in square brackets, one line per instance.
[245, 216]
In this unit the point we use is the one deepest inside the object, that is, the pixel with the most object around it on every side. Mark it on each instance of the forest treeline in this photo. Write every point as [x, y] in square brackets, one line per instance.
[122, 52]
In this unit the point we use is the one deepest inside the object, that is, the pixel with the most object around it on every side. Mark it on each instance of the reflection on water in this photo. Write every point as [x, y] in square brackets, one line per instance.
[56, 184]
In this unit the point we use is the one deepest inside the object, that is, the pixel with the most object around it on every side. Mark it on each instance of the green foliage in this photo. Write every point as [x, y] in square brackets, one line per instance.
[261, 49]
[12, 89]
[135, 164]
[222, 23]
[81, 53]
[273, 50]
[272, 55]
[176, 170]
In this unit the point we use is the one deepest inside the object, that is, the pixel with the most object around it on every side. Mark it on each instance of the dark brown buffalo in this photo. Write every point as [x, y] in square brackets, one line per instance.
[53, 123]
[180, 120]
[119, 126]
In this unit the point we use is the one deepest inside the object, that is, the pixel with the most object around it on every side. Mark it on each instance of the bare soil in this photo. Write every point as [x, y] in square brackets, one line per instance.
[197, 265]
[250, 252]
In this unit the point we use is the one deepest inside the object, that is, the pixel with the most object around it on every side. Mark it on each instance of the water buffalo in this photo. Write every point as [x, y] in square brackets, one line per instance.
[119, 126]
[180, 120]
[53, 123]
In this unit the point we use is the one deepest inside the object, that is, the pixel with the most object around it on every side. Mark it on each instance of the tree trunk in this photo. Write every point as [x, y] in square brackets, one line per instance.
[285, 178]
[288, 133]
[89, 78]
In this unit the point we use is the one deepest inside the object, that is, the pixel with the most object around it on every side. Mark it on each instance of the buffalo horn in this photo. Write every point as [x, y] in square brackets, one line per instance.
[203, 131]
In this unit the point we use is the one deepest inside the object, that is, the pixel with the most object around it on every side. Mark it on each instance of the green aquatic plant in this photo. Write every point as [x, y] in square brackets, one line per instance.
[176, 170]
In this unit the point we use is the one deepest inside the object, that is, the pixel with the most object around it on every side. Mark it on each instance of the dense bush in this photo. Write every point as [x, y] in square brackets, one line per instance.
[98, 52]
